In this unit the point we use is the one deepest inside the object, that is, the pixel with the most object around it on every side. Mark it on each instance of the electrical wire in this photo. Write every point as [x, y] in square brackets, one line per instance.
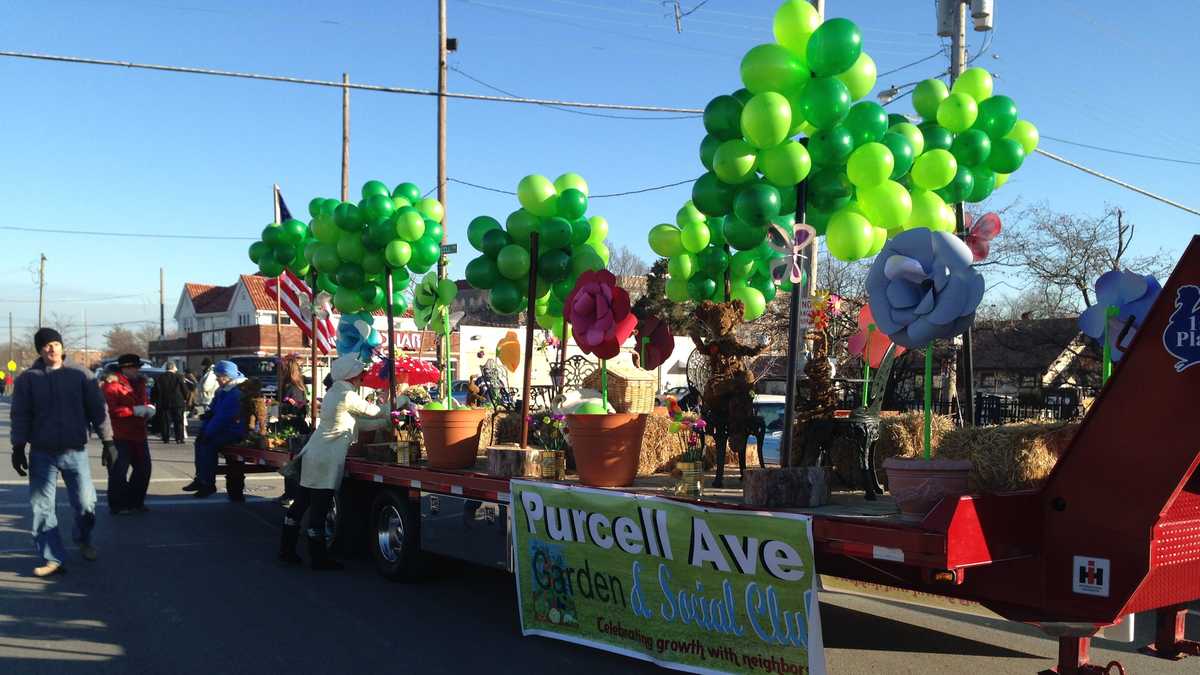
[1114, 151]
[1117, 181]
[910, 65]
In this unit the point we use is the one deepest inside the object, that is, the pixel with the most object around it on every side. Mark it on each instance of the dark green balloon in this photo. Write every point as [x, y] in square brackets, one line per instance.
[409, 191]
[787, 201]
[434, 230]
[373, 264]
[270, 267]
[1007, 156]
[831, 147]
[572, 204]
[329, 206]
[711, 196]
[377, 207]
[723, 118]
[971, 147]
[374, 187]
[708, 147]
[399, 303]
[997, 116]
[744, 95]
[350, 275]
[763, 283]
[284, 254]
[326, 259]
[743, 236]
[554, 265]
[378, 235]
[561, 289]
[493, 241]
[347, 217]
[555, 233]
[757, 204]
[818, 219]
[272, 235]
[506, 297]
[479, 227]
[867, 122]
[825, 102]
[701, 288]
[326, 283]
[426, 251]
[581, 230]
[983, 185]
[372, 297]
[834, 47]
[314, 206]
[400, 278]
[482, 272]
[259, 249]
[829, 189]
[902, 154]
[716, 230]
[894, 119]
[714, 260]
[960, 188]
[936, 136]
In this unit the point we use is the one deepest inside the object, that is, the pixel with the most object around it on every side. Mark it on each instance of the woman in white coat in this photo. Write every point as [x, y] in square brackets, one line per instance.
[343, 413]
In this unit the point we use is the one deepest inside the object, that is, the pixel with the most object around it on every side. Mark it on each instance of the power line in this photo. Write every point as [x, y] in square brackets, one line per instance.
[1122, 152]
[612, 194]
[137, 235]
[1117, 181]
[910, 65]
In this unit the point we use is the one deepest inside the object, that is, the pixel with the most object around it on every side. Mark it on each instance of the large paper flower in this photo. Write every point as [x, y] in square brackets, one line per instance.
[1131, 294]
[356, 335]
[654, 342]
[410, 371]
[508, 350]
[922, 287]
[598, 311]
[870, 339]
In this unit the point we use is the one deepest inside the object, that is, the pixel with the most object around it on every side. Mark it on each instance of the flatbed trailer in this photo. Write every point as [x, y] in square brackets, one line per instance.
[1114, 530]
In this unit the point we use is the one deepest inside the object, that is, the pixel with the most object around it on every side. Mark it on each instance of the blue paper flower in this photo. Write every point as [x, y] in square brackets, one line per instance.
[356, 335]
[922, 287]
[1131, 294]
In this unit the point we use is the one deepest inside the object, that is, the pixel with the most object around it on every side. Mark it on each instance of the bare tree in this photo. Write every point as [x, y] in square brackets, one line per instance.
[623, 262]
[120, 340]
[67, 326]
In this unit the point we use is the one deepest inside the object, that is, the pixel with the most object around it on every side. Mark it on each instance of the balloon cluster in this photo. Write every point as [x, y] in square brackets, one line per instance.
[569, 243]
[352, 246]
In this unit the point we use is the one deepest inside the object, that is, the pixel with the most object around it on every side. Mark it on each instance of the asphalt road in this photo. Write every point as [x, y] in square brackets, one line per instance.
[192, 587]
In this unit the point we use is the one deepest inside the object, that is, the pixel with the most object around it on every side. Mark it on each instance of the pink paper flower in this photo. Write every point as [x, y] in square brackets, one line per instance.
[654, 342]
[598, 311]
[870, 339]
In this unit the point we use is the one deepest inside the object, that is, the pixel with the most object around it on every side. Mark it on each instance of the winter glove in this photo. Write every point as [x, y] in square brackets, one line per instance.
[150, 411]
[19, 462]
[109, 455]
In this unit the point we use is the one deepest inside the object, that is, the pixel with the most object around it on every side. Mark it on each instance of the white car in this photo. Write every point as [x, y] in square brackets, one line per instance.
[771, 408]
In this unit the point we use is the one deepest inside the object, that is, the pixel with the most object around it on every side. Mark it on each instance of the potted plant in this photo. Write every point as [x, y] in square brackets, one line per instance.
[548, 430]
[689, 466]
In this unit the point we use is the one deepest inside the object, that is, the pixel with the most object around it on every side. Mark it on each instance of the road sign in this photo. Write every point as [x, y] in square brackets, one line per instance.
[449, 248]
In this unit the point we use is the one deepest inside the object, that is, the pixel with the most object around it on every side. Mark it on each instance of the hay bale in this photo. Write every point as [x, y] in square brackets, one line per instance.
[661, 449]
[1008, 456]
[904, 436]
[499, 427]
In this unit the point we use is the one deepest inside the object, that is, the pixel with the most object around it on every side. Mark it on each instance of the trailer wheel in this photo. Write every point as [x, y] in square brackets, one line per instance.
[395, 542]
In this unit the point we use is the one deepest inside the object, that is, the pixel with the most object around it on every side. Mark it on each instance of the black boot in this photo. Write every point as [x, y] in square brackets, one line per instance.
[319, 556]
[287, 545]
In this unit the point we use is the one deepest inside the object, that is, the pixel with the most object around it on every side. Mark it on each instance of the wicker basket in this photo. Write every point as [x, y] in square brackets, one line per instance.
[630, 389]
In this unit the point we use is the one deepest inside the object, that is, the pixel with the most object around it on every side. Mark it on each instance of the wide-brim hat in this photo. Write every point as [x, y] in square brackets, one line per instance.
[129, 361]
[345, 367]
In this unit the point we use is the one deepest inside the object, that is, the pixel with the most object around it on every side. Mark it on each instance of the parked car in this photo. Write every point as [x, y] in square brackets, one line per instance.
[771, 408]
[458, 390]
[263, 368]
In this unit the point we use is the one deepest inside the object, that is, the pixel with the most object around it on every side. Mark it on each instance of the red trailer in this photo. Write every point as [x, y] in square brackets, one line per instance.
[1114, 530]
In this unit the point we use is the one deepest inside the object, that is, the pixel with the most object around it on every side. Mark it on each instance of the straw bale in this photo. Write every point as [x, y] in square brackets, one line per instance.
[1009, 456]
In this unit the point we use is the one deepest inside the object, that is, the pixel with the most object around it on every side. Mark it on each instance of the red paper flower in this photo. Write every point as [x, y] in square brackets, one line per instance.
[654, 342]
[598, 311]
[409, 371]
[870, 339]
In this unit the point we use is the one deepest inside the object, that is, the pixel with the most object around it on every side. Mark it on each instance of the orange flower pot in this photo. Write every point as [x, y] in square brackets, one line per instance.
[607, 447]
[919, 484]
[452, 436]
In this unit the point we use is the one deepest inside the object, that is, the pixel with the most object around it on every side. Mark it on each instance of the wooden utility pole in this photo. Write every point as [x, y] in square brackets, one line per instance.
[809, 285]
[441, 177]
[41, 287]
[958, 61]
[345, 138]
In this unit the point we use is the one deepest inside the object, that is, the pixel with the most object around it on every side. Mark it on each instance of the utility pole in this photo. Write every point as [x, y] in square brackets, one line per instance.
[441, 178]
[162, 305]
[41, 287]
[809, 286]
[345, 137]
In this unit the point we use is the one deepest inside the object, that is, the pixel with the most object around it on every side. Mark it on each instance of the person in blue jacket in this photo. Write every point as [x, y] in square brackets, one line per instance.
[222, 428]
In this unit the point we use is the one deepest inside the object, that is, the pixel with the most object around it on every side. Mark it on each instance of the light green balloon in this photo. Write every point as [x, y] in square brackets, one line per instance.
[677, 290]
[325, 230]
[794, 23]
[849, 236]
[974, 82]
[914, 136]
[785, 164]
[930, 211]
[682, 266]
[772, 67]
[538, 196]
[870, 165]
[694, 237]
[1026, 134]
[957, 112]
[688, 214]
[599, 229]
[410, 226]
[601, 250]
[934, 170]
[753, 302]
[432, 209]
[734, 161]
[568, 181]
[766, 119]
[665, 240]
[520, 224]
[860, 78]
[887, 205]
[928, 95]
[741, 264]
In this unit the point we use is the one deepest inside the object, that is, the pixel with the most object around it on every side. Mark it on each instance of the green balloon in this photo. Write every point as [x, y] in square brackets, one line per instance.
[272, 235]
[1006, 157]
[482, 272]
[398, 253]
[694, 237]
[860, 78]
[701, 288]
[930, 211]
[887, 205]
[554, 233]
[571, 181]
[373, 297]
[399, 303]
[347, 300]
[350, 275]
[554, 265]
[772, 67]
[936, 136]
[957, 112]
[714, 260]
[665, 240]
[735, 161]
[351, 249]
[537, 195]
[314, 206]
[1026, 134]
[493, 241]
[743, 95]
[785, 164]
[831, 147]
[757, 204]
[914, 136]
[928, 95]
[258, 250]
[478, 227]
[974, 82]
[409, 191]
[867, 122]
[716, 230]
[311, 248]
[708, 148]
[326, 259]
[520, 224]
[409, 224]
[787, 200]
[347, 217]
[688, 213]
[425, 252]
[960, 187]
[400, 278]
[559, 290]
[581, 231]
[971, 147]
[326, 283]
[329, 206]
[374, 187]
[794, 23]
[284, 254]
[763, 283]
[902, 154]
[723, 118]
[834, 47]
[434, 230]
[741, 264]
[712, 196]
[849, 236]
[292, 231]
[870, 165]
[766, 119]
[418, 266]
[599, 228]
[584, 259]
[825, 102]
[743, 236]
[934, 170]
[753, 302]
[997, 116]
[377, 207]
[572, 204]
[677, 289]
[601, 250]
[325, 230]
[447, 290]
[984, 184]
[682, 266]
[829, 189]
[378, 235]
[373, 264]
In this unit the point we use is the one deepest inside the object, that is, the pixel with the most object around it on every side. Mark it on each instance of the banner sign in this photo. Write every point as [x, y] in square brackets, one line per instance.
[689, 587]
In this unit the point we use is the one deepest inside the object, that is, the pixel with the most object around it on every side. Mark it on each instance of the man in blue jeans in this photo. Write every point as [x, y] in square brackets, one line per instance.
[223, 427]
[53, 404]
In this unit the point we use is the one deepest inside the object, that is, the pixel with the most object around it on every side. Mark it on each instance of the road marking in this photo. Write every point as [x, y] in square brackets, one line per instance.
[185, 501]
[264, 476]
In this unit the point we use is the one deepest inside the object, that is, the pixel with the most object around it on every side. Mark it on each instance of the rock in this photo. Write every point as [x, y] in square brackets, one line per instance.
[783, 487]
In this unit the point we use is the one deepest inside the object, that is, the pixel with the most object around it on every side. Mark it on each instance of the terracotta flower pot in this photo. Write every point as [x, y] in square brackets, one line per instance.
[452, 436]
[607, 447]
[919, 484]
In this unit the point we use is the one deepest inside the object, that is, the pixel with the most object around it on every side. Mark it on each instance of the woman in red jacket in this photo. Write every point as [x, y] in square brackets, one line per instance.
[128, 408]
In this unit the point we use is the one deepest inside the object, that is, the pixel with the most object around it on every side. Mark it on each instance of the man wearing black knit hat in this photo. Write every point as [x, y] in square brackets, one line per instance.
[53, 404]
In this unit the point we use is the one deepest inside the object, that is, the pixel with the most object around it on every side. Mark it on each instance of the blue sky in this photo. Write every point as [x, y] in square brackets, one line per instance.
[109, 149]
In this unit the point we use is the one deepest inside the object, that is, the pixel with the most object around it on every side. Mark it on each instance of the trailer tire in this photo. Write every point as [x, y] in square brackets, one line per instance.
[395, 539]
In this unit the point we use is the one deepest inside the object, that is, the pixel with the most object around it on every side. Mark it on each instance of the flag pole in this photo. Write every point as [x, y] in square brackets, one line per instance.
[278, 286]
[312, 366]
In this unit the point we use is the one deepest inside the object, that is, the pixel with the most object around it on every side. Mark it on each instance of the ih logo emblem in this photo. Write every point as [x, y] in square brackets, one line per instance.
[1182, 334]
[1091, 576]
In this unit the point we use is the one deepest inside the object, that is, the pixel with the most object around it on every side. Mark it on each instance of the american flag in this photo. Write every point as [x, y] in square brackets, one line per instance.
[297, 296]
